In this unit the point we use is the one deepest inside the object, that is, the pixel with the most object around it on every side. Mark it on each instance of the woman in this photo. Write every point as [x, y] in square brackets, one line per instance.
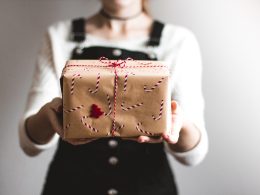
[123, 28]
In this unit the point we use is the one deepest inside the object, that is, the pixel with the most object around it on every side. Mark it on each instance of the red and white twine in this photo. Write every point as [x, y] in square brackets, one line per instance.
[114, 65]
[117, 129]
[115, 97]
[160, 112]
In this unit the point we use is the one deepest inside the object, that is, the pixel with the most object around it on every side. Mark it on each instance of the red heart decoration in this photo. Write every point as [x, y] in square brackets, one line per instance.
[95, 111]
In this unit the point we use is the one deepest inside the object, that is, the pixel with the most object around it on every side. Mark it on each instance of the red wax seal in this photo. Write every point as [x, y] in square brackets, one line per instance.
[95, 111]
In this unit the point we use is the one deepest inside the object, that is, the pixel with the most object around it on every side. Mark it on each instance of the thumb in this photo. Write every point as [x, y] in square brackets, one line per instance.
[174, 106]
[56, 104]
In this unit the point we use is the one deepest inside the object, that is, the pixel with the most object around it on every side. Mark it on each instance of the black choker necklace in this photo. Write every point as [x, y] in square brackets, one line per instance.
[106, 15]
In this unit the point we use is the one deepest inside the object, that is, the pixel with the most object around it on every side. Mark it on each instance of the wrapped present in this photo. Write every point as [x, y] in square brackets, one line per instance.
[103, 98]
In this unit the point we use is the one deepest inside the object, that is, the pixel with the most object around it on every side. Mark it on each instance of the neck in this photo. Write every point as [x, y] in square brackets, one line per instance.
[112, 17]
[121, 22]
[103, 26]
[123, 11]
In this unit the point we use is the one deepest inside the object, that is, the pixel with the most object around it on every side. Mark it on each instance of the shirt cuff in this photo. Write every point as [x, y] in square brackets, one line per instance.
[28, 146]
[194, 156]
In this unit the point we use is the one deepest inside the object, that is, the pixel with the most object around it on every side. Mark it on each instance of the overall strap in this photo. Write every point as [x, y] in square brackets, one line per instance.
[78, 30]
[156, 33]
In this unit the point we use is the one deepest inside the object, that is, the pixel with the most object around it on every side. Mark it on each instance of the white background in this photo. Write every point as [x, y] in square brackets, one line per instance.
[228, 32]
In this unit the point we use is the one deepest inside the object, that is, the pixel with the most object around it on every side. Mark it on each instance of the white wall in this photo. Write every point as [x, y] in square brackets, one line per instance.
[228, 32]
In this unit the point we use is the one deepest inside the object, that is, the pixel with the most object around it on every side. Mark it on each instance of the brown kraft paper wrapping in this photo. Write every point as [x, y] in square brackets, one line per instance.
[103, 98]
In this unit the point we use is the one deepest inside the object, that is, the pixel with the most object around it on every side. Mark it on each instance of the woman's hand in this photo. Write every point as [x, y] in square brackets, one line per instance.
[171, 137]
[54, 111]
[42, 126]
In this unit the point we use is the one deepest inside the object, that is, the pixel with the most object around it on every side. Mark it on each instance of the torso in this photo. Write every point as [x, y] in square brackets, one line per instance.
[111, 165]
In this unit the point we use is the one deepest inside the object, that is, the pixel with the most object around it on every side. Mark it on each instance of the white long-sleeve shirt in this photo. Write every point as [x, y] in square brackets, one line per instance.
[178, 48]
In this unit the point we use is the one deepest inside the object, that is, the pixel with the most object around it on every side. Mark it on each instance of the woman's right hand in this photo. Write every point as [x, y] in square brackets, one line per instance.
[42, 126]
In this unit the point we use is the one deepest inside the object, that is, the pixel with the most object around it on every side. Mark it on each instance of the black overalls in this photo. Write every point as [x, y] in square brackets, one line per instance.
[110, 166]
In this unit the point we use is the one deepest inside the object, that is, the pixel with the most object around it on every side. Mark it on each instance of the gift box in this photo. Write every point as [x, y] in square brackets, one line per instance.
[124, 98]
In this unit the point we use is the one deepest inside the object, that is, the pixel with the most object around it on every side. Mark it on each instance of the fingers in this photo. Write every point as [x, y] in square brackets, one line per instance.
[130, 138]
[174, 107]
[80, 141]
[177, 122]
[172, 136]
[53, 111]
[145, 139]
[56, 104]
[54, 114]
[55, 121]
[172, 139]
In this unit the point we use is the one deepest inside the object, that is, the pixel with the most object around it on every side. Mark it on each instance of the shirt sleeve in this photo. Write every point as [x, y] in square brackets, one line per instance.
[187, 91]
[44, 87]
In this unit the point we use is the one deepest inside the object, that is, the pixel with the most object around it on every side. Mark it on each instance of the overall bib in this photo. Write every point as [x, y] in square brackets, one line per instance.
[110, 166]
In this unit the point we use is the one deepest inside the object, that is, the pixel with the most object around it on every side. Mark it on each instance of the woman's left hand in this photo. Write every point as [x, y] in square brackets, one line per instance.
[171, 137]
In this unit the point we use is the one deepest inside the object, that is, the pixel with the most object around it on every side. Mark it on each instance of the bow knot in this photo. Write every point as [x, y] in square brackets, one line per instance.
[118, 63]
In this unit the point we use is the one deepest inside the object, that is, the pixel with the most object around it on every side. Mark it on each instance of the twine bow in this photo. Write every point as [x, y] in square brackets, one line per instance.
[119, 63]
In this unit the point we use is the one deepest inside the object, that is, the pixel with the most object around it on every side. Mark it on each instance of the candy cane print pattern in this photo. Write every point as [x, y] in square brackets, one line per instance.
[125, 81]
[120, 127]
[143, 131]
[97, 85]
[109, 106]
[153, 87]
[130, 107]
[74, 109]
[88, 125]
[116, 129]
[73, 82]
[160, 112]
